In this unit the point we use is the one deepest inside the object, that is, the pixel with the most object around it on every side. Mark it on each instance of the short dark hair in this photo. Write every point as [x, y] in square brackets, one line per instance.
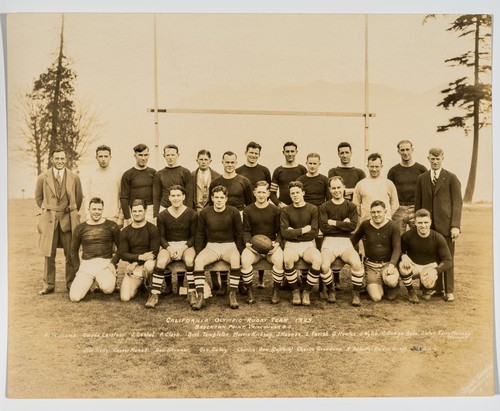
[103, 147]
[377, 203]
[229, 153]
[219, 188]
[177, 187]
[58, 149]
[253, 144]
[296, 184]
[344, 144]
[139, 148]
[171, 146]
[96, 200]
[313, 155]
[204, 152]
[290, 143]
[137, 202]
[261, 183]
[374, 156]
[422, 213]
[336, 178]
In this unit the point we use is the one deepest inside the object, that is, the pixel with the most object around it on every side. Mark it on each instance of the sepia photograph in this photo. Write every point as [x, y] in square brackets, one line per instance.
[236, 206]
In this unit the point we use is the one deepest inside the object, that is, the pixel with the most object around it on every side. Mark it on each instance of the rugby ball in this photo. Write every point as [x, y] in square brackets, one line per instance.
[261, 243]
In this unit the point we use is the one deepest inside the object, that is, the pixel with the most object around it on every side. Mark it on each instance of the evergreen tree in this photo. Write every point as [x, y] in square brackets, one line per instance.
[471, 94]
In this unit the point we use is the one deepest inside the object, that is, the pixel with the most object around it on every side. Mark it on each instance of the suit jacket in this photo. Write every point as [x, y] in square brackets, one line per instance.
[444, 201]
[194, 175]
[51, 212]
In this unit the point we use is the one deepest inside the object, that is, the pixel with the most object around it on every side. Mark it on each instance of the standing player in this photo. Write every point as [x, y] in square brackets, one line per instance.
[172, 174]
[137, 183]
[284, 174]
[439, 191]
[424, 254]
[337, 220]
[139, 246]
[177, 225]
[104, 183]
[218, 237]
[382, 243]
[201, 179]
[97, 236]
[239, 195]
[254, 172]
[58, 193]
[404, 176]
[299, 226]
[315, 184]
[350, 174]
[262, 217]
[375, 187]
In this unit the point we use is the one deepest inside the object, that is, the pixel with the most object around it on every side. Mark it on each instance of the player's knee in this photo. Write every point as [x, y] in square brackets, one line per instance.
[107, 288]
[75, 297]
[149, 265]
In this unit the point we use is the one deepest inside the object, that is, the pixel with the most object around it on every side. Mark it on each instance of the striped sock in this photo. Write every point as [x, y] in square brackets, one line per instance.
[357, 277]
[327, 278]
[407, 278]
[291, 277]
[277, 275]
[336, 275]
[234, 279]
[199, 281]
[247, 277]
[190, 278]
[157, 280]
[312, 279]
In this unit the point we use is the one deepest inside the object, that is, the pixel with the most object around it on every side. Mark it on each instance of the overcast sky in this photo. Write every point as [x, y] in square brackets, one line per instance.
[204, 58]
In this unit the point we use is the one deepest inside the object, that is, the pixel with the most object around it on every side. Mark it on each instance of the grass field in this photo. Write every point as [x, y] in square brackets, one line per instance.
[104, 348]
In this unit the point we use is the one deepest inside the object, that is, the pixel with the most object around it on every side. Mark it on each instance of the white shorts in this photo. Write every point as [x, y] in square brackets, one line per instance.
[93, 266]
[177, 244]
[337, 245]
[299, 247]
[219, 249]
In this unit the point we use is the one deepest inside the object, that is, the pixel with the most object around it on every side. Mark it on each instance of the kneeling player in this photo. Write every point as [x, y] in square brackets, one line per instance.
[382, 243]
[218, 237]
[337, 220]
[424, 254]
[177, 225]
[98, 237]
[139, 245]
[299, 227]
[262, 217]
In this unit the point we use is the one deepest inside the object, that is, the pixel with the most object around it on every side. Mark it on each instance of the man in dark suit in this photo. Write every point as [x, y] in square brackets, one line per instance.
[439, 191]
[58, 193]
[202, 177]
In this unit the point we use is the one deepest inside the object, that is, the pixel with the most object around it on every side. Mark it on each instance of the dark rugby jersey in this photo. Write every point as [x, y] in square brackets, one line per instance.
[293, 219]
[431, 249]
[239, 191]
[280, 180]
[405, 180]
[264, 221]
[338, 212]
[166, 178]
[136, 184]
[315, 188]
[219, 227]
[182, 228]
[137, 241]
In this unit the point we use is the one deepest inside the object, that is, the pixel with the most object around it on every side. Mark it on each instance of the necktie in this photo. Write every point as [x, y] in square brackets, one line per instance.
[434, 178]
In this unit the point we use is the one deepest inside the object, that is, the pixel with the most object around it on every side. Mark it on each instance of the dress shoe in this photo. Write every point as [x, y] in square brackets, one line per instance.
[413, 297]
[46, 291]
[152, 301]
[275, 297]
[449, 297]
[250, 297]
[427, 295]
[233, 302]
[296, 297]
[332, 298]
[305, 298]
[356, 301]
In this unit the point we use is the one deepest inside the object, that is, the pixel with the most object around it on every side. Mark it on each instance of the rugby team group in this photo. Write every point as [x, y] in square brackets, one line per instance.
[304, 224]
